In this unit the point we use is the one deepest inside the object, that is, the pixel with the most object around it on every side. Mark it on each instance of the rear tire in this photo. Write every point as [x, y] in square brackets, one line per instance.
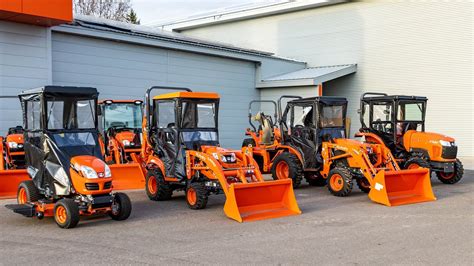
[27, 192]
[197, 195]
[315, 179]
[340, 182]
[248, 142]
[156, 187]
[66, 213]
[452, 178]
[121, 207]
[363, 184]
[287, 165]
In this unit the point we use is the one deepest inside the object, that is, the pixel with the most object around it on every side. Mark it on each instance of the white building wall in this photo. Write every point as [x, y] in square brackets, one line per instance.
[401, 47]
[24, 63]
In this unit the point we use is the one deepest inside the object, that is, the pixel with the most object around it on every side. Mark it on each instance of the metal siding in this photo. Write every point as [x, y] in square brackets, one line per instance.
[23, 65]
[401, 47]
[123, 71]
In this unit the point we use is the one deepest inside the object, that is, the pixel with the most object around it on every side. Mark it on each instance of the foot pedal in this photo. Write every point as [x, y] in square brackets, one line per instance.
[27, 210]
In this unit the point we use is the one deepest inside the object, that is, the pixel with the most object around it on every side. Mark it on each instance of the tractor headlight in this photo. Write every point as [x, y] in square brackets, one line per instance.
[107, 171]
[13, 145]
[88, 172]
[126, 143]
[445, 143]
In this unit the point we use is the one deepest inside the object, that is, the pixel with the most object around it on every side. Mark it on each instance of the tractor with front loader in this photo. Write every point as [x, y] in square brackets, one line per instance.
[181, 151]
[120, 124]
[311, 141]
[68, 177]
[398, 121]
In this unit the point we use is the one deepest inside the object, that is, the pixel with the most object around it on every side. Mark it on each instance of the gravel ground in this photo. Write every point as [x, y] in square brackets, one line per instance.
[331, 230]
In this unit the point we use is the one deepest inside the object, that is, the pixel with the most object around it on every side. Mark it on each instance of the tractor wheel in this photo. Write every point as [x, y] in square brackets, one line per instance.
[66, 213]
[287, 165]
[315, 179]
[363, 184]
[340, 182]
[248, 142]
[197, 195]
[416, 162]
[454, 177]
[156, 187]
[27, 192]
[121, 207]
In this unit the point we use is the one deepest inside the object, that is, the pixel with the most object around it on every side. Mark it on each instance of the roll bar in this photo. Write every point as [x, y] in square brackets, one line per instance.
[261, 101]
[361, 107]
[148, 98]
[285, 97]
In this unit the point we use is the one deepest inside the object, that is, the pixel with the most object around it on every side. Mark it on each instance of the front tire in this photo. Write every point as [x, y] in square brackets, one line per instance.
[452, 178]
[287, 165]
[66, 213]
[121, 207]
[416, 162]
[363, 184]
[340, 182]
[197, 195]
[27, 192]
[156, 187]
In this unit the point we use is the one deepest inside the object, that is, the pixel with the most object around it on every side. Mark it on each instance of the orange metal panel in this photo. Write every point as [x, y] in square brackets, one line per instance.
[37, 12]
[202, 95]
[10, 5]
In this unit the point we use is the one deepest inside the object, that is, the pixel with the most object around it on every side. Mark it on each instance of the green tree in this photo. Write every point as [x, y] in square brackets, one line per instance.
[132, 17]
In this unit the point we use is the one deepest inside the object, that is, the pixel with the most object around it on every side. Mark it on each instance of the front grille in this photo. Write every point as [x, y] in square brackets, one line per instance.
[449, 152]
[107, 185]
[92, 186]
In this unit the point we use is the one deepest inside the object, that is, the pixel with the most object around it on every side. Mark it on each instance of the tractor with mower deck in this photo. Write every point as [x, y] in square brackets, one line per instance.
[68, 176]
[398, 121]
[181, 151]
[120, 124]
[311, 141]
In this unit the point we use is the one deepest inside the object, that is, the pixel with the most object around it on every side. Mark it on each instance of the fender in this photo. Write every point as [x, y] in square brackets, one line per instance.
[370, 137]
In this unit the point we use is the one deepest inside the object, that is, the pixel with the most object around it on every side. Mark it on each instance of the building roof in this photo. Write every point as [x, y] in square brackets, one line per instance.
[308, 76]
[109, 29]
[244, 12]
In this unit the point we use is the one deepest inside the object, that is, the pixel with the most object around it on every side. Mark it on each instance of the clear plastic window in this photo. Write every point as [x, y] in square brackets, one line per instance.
[332, 116]
[410, 112]
[302, 116]
[206, 115]
[128, 115]
[166, 114]
[71, 114]
[33, 112]
[74, 139]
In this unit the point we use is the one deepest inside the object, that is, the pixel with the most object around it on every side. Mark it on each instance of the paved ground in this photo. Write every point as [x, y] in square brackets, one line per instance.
[330, 231]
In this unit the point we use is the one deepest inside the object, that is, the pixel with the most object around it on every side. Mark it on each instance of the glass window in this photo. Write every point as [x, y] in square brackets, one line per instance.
[85, 114]
[302, 116]
[410, 112]
[166, 114]
[71, 114]
[127, 115]
[33, 112]
[74, 139]
[206, 115]
[332, 116]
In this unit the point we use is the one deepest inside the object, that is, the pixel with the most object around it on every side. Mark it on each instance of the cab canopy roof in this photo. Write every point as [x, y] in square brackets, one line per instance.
[61, 92]
[188, 95]
[328, 100]
[394, 98]
[108, 101]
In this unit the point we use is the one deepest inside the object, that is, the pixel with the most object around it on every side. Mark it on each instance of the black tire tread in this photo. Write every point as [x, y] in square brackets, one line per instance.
[296, 169]
[32, 192]
[315, 179]
[201, 194]
[72, 213]
[347, 176]
[125, 207]
[458, 174]
[164, 190]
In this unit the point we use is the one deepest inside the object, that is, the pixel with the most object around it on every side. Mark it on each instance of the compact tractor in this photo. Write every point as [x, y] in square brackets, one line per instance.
[311, 142]
[68, 176]
[12, 160]
[399, 122]
[120, 124]
[181, 151]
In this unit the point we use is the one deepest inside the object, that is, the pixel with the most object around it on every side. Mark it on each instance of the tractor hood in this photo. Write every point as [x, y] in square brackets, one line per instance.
[435, 146]
[413, 137]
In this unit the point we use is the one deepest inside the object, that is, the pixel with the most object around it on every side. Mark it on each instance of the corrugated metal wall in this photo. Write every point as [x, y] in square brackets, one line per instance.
[23, 64]
[401, 47]
[125, 71]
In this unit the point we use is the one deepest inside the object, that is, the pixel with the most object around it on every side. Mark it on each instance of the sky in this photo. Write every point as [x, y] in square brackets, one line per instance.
[152, 12]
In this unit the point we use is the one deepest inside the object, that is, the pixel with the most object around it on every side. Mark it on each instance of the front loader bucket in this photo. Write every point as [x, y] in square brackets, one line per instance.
[9, 182]
[393, 188]
[127, 176]
[262, 200]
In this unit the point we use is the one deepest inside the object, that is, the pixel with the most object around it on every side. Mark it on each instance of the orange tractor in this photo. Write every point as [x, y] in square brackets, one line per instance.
[68, 177]
[12, 160]
[120, 124]
[181, 151]
[398, 121]
[311, 141]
